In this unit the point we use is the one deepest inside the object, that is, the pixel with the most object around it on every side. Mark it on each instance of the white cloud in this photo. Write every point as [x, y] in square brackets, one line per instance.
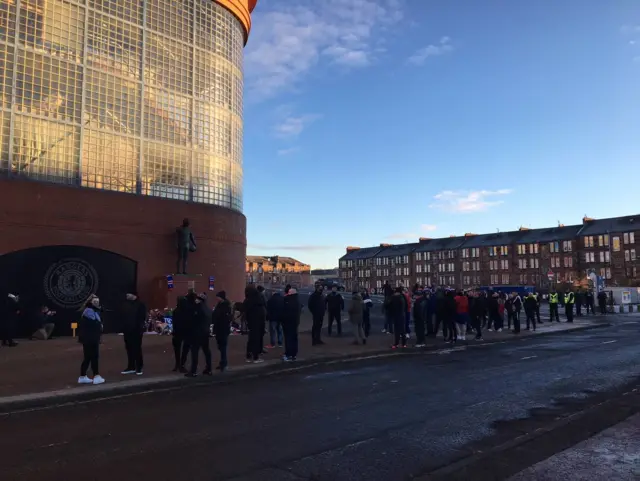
[443, 47]
[289, 151]
[428, 227]
[295, 36]
[292, 125]
[468, 201]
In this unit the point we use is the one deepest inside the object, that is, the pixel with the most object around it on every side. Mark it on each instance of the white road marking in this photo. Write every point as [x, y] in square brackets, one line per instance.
[528, 357]
[609, 342]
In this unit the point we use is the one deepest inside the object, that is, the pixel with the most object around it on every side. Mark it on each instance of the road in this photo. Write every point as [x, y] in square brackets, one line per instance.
[380, 420]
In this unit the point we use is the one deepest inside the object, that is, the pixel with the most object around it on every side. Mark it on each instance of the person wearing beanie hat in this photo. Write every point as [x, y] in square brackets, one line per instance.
[134, 321]
[222, 317]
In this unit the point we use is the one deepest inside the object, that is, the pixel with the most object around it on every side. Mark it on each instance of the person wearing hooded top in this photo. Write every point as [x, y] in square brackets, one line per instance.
[397, 308]
[222, 317]
[440, 309]
[493, 308]
[530, 303]
[255, 312]
[8, 318]
[450, 310]
[290, 323]
[317, 307]
[89, 334]
[179, 332]
[517, 307]
[199, 330]
[134, 319]
[335, 306]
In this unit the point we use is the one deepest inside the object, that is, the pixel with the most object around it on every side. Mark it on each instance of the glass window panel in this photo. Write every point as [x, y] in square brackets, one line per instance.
[174, 19]
[48, 87]
[212, 129]
[129, 10]
[112, 103]
[211, 179]
[5, 118]
[6, 73]
[165, 171]
[45, 150]
[213, 79]
[63, 34]
[114, 46]
[110, 161]
[31, 24]
[167, 117]
[168, 64]
[8, 20]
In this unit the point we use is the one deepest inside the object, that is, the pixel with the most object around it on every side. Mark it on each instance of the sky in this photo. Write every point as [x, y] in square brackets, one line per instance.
[382, 121]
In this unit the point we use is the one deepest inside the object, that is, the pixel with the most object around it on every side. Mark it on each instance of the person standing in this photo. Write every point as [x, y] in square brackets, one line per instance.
[530, 303]
[441, 313]
[44, 324]
[255, 313]
[493, 310]
[356, 317]
[179, 331]
[200, 330]
[553, 306]
[397, 309]
[462, 315]
[317, 307]
[291, 323]
[222, 317]
[335, 306]
[89, 334]
[275, 306]
[8, 319]
[185, 243]
[538, 297]
[419, 314]
[590, 303]
[579, 301]
[407, 314]
[602, 302]
[429, 312]
[508, 307]
[134, 320]
[366, 315]
[475, 313]
[569, 301]
[517, 308]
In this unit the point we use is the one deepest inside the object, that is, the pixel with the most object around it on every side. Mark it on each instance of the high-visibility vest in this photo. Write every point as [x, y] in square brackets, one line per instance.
[553, 298]
[569, 298]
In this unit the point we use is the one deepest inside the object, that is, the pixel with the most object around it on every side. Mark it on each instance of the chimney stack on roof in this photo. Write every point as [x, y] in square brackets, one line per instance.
[470, 234]
[452, 236]
[523, 228]
[352, 248]
[386, 245]
[425, 239]
[586, 219]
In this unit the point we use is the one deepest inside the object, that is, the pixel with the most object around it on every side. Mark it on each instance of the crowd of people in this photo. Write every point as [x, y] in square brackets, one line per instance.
[464, 312]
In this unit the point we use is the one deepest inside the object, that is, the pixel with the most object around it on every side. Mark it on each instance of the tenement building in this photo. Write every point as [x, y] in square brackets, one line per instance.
[604, 248]
[119, 119]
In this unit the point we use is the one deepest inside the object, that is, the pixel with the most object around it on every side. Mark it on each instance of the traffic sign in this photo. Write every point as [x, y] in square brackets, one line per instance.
[551, 275]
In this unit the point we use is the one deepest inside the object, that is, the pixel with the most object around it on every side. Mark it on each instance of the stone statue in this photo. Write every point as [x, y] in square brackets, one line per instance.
[185, 243]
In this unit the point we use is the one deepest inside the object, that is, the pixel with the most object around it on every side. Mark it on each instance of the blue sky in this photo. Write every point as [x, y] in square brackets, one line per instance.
[370, 121]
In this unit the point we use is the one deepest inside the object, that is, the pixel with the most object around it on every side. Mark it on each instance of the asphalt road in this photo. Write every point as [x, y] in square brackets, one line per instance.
[378, 420]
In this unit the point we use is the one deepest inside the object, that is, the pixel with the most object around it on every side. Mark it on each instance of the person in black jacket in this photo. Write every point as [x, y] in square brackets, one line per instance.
[335, 306]
[419, 314]
[475, 312]
[89, 334]
[199, 329]
[517, 307]
[255, 312]
[397, 308]
[290, 323]
[275, 306]
[222, 317]
[493, 309]
[508, 306]
[317, 307]
[450, 311]
[179, 332]
[530, 303]
[134, 320]
[366, 314]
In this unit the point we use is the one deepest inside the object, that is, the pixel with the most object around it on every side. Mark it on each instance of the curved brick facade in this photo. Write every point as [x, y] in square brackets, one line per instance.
[34, 214]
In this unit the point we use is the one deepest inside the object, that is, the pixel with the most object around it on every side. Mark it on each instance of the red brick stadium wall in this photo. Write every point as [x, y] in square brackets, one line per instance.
[34, 214]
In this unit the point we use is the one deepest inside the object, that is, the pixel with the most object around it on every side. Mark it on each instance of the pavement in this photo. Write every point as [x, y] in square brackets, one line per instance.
[389, 418]
[37, 372]
[610, 455]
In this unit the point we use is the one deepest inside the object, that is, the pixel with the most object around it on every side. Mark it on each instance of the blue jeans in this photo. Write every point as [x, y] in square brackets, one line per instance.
[275, 329]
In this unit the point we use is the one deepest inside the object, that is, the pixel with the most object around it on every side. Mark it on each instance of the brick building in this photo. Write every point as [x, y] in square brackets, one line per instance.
[604, 247]
[277, 270]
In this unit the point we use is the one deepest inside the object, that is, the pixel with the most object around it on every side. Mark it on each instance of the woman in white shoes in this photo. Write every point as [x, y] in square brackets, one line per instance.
[89, 333]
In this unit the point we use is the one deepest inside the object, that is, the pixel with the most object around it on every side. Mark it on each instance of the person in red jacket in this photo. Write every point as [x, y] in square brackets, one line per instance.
[462, 315]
